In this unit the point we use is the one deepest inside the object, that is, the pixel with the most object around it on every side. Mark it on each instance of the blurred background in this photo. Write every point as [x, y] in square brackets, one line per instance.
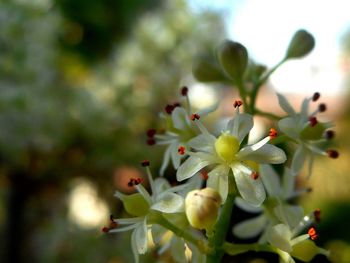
[82, 81]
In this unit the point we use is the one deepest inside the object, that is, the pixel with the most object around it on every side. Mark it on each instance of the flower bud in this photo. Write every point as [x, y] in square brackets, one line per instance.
[202, 207]
[233, 58]
[301, 44]
[305, 250]
[206, 71]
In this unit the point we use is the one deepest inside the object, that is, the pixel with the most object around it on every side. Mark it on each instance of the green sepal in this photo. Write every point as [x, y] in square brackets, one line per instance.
[136, 205]
[305, 250]
[313, 133]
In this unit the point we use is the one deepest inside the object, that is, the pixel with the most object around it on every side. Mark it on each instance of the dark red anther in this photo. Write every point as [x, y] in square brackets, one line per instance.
[272, 133]
[176, 104]
[181, 150]
[237, 103]
[195, 116]
[131, 182]
[322, 107]
[204, 175]
[184, 91]
[312, 233]
[151, 133]
[316, 96]
[329, 134]
[169, 108]
[105, 229]
[145, 163]
[151, 141]
[254, 175]
[317, 215]
[138, 181]
[313, 121]
[332, 154]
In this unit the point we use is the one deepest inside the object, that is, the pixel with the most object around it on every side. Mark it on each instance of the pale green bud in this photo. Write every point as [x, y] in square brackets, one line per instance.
[205, 70]
[305, 250]
[301, 44]
[202, 207]
[233, 58]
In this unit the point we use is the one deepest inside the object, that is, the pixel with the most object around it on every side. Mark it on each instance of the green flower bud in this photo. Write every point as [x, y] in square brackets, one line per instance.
[233, 58]
[205, 70]
[135, 204]
[202, 207]
[301, 44]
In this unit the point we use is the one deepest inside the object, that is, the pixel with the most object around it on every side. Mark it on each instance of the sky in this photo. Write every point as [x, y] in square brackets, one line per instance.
[265, 28]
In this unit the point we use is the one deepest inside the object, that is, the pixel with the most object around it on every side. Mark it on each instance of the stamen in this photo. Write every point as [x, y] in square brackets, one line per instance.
[181, 150]
[254, 175]
[145, 163]
[105, 229]
[322, 107]
[176, 104]
[329, 134]
[332, 154]
[312, 233]
[151, 133]
[184, 91]
[317, 215]
[204, 175]
[195, 116]
[134, 181]
[169, 109]
[316, 96]
[151, 141]
[273, 133]
[313, 121]
[237, 103]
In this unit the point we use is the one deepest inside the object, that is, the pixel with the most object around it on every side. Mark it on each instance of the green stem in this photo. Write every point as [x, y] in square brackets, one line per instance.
[267, 114]
[235, 249]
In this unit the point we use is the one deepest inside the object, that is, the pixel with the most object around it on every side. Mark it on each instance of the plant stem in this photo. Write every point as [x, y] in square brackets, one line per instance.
[267, 114]
[235, 249]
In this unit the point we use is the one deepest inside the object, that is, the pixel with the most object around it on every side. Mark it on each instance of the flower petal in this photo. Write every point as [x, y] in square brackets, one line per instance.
[280, 237]
[134, 246]
[166, 160]
[203, 142]
[180, 118]
[284, 104]
[250, 190]
[291, 215]
[250, 228]
[218, 180]
[191, 166]
[177, 247]
[140, 237]
[157, 232]
[175, 156]
[288, 183]
[266, 154]
[290, 126]
[160, 185]
[245, 124]
[304, 110]
[270, 180]
[245, 206]
[298, 160]
[169, 203]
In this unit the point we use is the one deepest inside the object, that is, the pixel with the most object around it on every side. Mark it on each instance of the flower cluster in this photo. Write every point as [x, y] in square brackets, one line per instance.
[217, 171]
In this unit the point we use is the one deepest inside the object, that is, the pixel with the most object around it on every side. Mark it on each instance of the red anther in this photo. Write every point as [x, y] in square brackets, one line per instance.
[329, 134]
[184, 91]
[145, 163]
[312, 233]
[195, 116]
[317, 215]
[169, 108]
[105, 229]
[138, 181]
[151, 141]
[272, 133]
[313, 121]
[237, 103]
[204, 175]
[176, 104]
[113, 224]
[322, 107]
[131, 182]
[309, 189]
[254, 175]
[332, 154]
[316, 96]
[181, 150]
[151, 133]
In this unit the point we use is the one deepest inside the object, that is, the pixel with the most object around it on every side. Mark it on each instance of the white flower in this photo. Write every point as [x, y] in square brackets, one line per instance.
[304, 128]
[225, 153]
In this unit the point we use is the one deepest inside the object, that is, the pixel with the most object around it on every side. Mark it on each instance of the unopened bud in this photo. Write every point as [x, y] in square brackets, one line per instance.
[205, 70]
[202, 207]
[301, 44]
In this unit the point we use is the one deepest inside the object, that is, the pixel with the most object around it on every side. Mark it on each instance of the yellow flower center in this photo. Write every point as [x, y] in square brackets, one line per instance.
[226, 147]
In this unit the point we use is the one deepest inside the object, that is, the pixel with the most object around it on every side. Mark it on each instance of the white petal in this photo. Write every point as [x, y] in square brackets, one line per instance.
[180, 118]
[288, 183]
[250, 190]
[291, 215]
[245, 206]
[177, 247]
[218, 180]
[207, 110]
[175, 156]
[270, 179]
[298, 160]
[290, 126]
[285, 257]
[134, 246]
[166, 160]
[280, 237]
[169, 203]
[284, 104]
[250, 228]
[245, 124]
[305, 110]
[203, 142]
[266, 154]
[157, 232]
[191, 166]
[160, 185]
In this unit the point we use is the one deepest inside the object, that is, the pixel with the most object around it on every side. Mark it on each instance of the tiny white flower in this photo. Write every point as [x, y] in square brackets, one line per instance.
[305, 130]
[225, 153]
